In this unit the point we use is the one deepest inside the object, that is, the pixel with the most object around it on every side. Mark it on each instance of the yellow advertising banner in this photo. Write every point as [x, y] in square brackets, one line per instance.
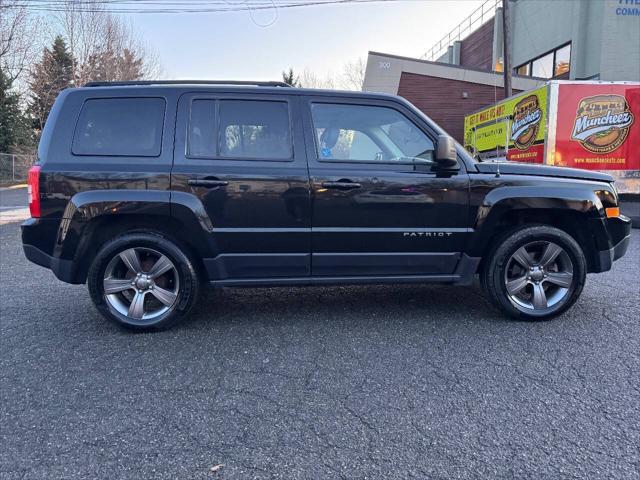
[526, 118]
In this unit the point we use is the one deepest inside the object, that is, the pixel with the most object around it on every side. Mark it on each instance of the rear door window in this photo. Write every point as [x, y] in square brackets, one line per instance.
[240, 130]
[202, 133]
[254, 129]
[128, 127]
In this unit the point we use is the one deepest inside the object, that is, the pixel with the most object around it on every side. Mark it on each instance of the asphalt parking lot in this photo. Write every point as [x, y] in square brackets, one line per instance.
[342, 382]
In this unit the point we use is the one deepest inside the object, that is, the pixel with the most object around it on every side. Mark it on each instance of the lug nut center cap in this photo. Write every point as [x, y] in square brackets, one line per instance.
[537, 274]
[143, 283]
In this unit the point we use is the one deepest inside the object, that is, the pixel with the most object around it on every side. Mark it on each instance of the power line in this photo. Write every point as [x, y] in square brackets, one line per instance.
[159, 6]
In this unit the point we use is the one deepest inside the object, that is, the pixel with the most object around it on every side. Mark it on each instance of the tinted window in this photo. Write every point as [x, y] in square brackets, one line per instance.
[359, 133]
[120, 127]
[202, 138]
[254, 129]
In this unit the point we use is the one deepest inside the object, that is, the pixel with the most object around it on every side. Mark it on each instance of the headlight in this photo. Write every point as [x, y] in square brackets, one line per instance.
[609, 202]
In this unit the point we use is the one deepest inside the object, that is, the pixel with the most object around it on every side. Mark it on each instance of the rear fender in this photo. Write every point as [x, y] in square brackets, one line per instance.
[85, 208]
[87, 211]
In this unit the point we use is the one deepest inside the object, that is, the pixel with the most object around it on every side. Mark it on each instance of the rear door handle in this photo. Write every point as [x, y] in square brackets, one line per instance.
[341, 185]
[208, 183]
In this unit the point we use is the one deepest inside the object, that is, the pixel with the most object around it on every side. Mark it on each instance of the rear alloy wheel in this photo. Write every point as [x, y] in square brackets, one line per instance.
[143, 281]
[536, 273]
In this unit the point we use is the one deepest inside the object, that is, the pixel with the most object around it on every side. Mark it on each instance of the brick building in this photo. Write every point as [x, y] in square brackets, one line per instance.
[559, 39]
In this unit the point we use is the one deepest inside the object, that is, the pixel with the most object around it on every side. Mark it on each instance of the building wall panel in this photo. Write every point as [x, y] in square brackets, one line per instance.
[477, 49]
[443, 99]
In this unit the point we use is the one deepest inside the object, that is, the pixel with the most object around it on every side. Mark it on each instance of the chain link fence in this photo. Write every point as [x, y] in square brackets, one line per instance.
[14, 167]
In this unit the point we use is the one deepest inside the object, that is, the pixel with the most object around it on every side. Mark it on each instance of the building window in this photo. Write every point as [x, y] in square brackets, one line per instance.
[562, 61]
[553, 64]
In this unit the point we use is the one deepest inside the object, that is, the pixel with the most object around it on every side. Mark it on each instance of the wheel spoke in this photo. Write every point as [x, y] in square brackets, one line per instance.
[539, 296]
[163, 265]
[562, 279]
[516, 285]
[523, 258]
[115, 285]
[165, 296]
[550, 253]
[131, 260]
[136, 309]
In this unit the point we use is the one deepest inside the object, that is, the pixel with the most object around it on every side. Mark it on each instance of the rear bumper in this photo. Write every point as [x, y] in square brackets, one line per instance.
[62, 269]
[38, 240]
[620, 232]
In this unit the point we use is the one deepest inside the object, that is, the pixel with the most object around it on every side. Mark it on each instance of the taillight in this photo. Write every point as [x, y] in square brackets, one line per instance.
[34, 191]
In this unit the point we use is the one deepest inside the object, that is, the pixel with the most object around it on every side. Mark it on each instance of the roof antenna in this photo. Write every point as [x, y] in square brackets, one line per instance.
[506, 146]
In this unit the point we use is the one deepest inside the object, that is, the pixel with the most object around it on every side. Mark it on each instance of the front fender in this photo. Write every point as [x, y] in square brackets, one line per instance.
[546, 200]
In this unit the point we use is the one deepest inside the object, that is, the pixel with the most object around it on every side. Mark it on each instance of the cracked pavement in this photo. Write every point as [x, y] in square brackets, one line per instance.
[403, 381]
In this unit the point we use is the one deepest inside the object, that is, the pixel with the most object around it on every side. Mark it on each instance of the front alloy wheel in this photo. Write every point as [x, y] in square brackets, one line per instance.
[534, 272]
[538, 276]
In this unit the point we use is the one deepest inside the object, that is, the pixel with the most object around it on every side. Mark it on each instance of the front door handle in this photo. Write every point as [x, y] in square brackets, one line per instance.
[208, 183]
[341, 185]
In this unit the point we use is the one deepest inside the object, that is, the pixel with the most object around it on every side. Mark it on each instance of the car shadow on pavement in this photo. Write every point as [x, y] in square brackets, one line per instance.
[370, 303]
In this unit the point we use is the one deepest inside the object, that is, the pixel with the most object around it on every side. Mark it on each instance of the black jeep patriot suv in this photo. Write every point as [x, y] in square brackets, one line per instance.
[146, 191]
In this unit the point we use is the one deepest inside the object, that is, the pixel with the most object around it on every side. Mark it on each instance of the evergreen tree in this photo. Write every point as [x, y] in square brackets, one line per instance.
[50, 76]
[290, 78]
[14, 127]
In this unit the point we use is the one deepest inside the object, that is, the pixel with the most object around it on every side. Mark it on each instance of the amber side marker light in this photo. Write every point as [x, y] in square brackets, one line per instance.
[612, 212]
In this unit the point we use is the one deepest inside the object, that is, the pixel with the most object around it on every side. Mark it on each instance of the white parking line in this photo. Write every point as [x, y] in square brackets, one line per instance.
[12, 216]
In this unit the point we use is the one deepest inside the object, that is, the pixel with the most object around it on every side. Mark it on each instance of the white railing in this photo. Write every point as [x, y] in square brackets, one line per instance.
[15, 167]
[464, 28]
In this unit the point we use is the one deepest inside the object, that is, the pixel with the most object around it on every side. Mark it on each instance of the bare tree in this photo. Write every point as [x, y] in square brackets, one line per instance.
[104, 47]
[309, 79]
[352, 77]
[17, 33]
[353, 74]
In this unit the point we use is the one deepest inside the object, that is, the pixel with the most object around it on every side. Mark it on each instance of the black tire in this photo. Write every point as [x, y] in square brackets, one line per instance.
[503, 263]
[181, 281]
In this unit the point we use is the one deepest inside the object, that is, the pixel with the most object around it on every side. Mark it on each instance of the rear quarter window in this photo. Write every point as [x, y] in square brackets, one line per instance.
[127, 127]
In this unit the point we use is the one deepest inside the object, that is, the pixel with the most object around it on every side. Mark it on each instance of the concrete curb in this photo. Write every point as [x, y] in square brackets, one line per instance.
[13, 187]
[630, 206]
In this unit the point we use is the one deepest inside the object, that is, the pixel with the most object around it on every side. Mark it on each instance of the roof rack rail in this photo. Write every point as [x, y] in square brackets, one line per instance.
[187, 82]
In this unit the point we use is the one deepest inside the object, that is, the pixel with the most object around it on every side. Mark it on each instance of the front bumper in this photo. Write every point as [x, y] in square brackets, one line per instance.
[620, 233]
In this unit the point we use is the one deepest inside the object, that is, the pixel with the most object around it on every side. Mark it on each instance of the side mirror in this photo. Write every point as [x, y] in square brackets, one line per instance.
[446, 154]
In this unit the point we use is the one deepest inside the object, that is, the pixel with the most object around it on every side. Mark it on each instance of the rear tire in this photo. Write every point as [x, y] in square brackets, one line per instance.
[535, 273]
[143, 281]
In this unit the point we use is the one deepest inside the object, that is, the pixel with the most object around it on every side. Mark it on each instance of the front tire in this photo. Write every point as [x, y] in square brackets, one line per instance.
[143, 281]
[536, 273]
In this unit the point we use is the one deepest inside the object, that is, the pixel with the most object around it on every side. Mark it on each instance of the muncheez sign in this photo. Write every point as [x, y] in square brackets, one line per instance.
[602, 123]
[597, 126]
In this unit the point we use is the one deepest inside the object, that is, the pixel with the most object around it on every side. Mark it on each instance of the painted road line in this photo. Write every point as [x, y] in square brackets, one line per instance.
[12, 216]
[13, 187]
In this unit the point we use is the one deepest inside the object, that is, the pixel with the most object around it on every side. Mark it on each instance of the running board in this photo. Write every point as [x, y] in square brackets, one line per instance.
[304, 281]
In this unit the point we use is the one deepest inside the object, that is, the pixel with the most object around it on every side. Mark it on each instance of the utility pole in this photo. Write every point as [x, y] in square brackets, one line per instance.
[506, 54]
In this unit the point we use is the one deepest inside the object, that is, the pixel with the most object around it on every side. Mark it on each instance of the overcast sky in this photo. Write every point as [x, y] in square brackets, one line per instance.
[322, 38]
